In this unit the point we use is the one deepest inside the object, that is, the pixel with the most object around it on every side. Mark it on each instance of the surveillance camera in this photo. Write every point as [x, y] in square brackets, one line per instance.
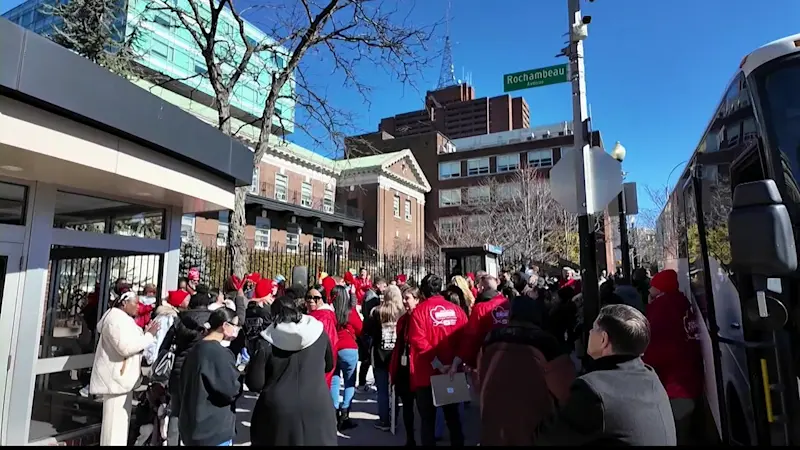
[586, 20]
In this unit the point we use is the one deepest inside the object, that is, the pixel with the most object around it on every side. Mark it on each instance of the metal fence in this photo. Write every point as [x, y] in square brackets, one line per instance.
[214, 263]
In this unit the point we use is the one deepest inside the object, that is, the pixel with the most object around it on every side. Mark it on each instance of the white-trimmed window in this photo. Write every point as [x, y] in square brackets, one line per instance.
[222, 228]
[317, 244]
[477, 195]
[449, 225]
[305, 195]
[451, 169]
[396, 206]
[327, 200]
[478, 166]
[255, 182]
[263, 227]
[508, 163]
[187, 227]
[540, 158]
[408, 210]
[292, 240]
[341, 247]
[281, 187]
[449, 197]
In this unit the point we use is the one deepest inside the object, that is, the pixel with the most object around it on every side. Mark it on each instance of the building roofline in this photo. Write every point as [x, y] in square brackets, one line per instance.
[41, 73]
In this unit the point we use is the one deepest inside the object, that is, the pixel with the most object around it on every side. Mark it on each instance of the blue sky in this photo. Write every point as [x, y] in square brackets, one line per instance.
[655, 69]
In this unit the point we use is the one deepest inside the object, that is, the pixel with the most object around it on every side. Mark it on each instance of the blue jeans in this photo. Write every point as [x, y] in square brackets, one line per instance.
[382, 384]
[440, 423]
[346, 365]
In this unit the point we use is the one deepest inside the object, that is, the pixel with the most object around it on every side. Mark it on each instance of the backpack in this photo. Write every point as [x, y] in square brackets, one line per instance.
[388, 336]
[162, 366]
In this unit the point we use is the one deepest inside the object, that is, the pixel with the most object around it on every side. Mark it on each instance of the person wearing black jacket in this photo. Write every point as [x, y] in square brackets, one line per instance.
[381, 328]
[288, 368]
[187, 331]
[372, 298]
[210, 385]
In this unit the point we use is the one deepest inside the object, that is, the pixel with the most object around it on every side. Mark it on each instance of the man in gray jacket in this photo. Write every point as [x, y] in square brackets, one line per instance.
[620, 401]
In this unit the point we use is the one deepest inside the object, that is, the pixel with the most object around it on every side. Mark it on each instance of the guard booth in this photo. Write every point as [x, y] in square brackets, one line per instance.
[463, 260]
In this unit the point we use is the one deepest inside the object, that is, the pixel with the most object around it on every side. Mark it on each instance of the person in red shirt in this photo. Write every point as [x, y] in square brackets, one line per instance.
[194, 279]
[471, 282]
[348, 328]
[318, 309]
[400, 365]
[147, 303]
[364, 283]
[674, 351]
[434, 329]
[491, 311]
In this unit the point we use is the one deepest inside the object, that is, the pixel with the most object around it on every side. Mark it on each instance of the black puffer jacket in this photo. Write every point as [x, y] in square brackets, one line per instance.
[185, 333]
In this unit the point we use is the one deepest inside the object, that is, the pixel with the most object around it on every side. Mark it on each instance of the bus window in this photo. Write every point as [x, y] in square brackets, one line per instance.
[694, 251]
[782, 111]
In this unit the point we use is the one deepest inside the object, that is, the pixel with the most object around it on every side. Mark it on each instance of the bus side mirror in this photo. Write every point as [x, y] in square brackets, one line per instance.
[760, 231]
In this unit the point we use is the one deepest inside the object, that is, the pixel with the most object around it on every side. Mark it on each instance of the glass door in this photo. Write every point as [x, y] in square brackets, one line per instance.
[10, 277]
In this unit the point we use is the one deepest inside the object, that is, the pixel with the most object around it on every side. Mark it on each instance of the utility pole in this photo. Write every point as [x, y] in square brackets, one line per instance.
[583, 167]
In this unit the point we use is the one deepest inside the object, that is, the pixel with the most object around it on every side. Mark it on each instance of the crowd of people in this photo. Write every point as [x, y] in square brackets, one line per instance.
[306, 351]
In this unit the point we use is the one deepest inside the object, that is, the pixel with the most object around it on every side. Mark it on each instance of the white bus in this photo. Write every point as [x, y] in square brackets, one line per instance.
[753, 135]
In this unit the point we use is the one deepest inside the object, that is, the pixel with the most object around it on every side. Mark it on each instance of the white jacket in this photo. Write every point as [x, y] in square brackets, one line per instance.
[118, 358]
[165, 315]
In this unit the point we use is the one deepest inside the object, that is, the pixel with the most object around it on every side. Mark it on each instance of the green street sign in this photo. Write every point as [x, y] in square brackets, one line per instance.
[535, 78]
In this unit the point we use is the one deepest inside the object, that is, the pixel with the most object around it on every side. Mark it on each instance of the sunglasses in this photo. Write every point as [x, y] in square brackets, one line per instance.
[315, 298]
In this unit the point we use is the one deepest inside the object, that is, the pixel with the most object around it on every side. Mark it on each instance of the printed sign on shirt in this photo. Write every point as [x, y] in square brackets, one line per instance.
[500, 315]
[443, 317]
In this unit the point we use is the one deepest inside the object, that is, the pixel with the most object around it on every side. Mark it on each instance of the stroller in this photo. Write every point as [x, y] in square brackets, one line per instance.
[151, 416]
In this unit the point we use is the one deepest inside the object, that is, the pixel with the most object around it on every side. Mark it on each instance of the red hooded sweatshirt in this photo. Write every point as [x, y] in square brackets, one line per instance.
[433, 332]
[362, 286]
[485, 317]
[350, 332]
[327, 316]
[674, 351]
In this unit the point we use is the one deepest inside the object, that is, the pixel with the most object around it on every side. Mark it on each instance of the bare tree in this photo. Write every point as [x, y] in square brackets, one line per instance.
[345, 34]
[89, 28]
[518, 213]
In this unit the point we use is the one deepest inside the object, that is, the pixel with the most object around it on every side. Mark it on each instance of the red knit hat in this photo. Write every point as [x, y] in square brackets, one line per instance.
[666, 281]
[264, 287]
[401, 279]
[176, 298]
[328, 283]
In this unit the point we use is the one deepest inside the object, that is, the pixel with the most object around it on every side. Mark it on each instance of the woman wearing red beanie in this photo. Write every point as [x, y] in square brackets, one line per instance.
[674, 351]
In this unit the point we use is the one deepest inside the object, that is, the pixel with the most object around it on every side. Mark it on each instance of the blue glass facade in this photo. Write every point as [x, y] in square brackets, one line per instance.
[168, 48]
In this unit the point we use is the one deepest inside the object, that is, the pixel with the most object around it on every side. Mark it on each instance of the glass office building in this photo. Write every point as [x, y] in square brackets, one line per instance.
[167, 48]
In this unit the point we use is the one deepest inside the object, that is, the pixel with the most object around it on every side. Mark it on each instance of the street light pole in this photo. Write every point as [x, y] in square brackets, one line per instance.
[619, 153]
[591, 295]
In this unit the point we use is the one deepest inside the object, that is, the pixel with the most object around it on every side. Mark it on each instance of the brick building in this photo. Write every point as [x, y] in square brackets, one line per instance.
[456, 168]
[299, 198]
[455, 112]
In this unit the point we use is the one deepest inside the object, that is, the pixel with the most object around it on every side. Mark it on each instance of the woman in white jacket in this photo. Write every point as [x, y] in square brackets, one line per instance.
[117, 365]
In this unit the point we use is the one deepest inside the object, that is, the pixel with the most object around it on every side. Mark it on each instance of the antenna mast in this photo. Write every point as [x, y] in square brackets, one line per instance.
[447, 75]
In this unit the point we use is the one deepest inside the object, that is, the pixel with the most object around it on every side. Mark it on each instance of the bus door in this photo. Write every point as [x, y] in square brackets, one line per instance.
[702, 295]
